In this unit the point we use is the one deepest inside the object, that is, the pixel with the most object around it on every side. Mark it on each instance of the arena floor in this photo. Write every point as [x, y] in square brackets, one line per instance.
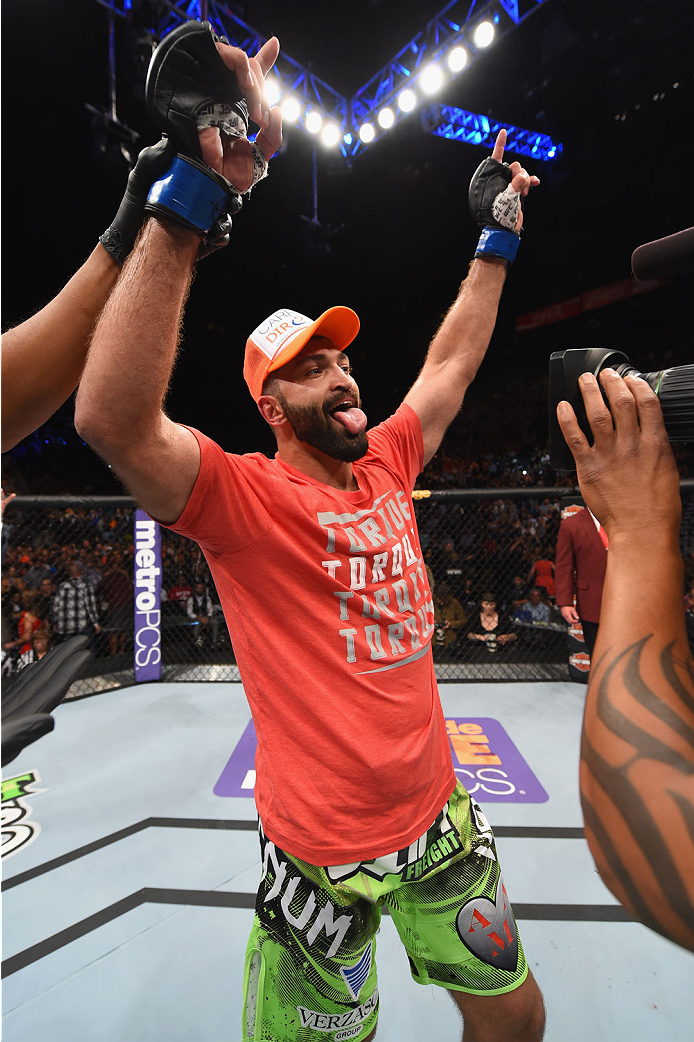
[134, 861]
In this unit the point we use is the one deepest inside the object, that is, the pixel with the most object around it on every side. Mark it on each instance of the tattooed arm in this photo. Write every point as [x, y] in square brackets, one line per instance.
[637, 751]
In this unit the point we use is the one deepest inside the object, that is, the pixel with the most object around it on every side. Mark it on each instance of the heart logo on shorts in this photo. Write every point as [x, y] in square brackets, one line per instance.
[488, 929]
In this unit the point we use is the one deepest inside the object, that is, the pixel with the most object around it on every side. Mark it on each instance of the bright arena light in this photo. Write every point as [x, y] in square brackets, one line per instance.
[386, 118]
[290, 109]
[313, 121]
[330, 135]
[272, 91]
[367, 132]
[431, 79]
[407, 100]
[484, 34]
[457, 59]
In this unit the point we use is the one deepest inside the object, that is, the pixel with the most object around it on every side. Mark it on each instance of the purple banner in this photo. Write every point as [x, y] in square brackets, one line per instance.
[147, 583]
[484, 758]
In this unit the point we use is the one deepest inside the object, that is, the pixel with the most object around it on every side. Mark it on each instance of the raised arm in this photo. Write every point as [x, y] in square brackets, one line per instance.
[637, 750]
[459, 346]
[119, 403]
[43, 357]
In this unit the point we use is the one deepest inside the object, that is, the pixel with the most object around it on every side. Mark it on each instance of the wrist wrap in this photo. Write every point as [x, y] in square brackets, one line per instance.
[496, 242]
[192, 194]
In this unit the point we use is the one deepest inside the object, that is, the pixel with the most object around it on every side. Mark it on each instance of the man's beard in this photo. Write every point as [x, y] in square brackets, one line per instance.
[314, 426]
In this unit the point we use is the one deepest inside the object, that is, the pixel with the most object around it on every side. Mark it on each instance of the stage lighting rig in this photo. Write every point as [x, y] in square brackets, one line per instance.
[450, 43]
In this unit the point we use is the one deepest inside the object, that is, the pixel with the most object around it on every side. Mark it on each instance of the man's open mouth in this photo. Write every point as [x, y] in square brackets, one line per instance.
[349, 416]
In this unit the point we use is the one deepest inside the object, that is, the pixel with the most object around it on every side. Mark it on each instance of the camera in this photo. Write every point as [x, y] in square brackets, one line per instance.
[674, 388]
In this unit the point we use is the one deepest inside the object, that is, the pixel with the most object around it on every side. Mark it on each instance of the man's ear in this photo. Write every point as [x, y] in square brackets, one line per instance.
[271, 410]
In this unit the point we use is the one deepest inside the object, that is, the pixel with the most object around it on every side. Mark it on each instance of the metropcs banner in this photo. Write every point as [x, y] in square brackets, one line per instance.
[147, 583]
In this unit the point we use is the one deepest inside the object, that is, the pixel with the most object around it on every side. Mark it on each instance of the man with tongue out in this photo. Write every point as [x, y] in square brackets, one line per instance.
[318, 566]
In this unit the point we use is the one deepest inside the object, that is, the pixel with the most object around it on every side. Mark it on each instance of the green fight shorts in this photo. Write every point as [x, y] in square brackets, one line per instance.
[310, 970]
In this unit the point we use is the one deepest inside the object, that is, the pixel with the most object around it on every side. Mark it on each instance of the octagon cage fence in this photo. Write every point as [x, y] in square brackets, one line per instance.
[477, 544]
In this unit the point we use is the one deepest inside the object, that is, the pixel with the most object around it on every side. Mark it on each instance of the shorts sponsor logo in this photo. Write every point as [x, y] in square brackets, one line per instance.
[356, 976]
[339, 1022]
[434, 848]
[285, 882]
[489, 765]
[488, 929]
[17, 832]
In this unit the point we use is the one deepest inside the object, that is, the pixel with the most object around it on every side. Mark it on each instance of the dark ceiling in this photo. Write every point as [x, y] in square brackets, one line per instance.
[397, 237]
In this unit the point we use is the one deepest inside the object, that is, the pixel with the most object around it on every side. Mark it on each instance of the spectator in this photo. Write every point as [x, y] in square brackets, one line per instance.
[44, 600]
[91, 573]
[114, 595]
[74, 607]
[6, 528]
[12, 580]
[519, 591]
[542, 575]
[181, 592]
[34, 574]
[199, 607]
[449, 616]
[486, 625]
[29, 622]
[12, 607]
[534, 609]
[37, 649]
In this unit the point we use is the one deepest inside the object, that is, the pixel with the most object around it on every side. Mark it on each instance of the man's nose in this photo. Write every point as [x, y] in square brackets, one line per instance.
[342, 381]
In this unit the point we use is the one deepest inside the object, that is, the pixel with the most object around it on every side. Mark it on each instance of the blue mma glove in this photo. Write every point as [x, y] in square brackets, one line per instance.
[195, 196]
[152, 163]
[495, 205]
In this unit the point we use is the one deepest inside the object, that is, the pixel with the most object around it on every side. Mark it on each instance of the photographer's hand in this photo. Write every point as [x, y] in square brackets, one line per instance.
[637, 749]
[628, 477]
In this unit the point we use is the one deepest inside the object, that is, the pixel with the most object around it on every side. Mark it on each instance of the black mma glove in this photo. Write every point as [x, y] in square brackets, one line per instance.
[29, 697]
[152, 163]
[495, 205]
[189, 88]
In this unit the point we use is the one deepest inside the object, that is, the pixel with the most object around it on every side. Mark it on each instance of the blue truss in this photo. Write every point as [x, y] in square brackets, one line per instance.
[459, 125]
[451, 27]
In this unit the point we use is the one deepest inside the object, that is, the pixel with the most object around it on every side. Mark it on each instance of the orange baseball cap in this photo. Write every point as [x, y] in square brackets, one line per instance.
[282, 336]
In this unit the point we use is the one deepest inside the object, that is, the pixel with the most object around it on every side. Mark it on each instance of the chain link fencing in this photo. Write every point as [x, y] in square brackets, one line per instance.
[479, 545]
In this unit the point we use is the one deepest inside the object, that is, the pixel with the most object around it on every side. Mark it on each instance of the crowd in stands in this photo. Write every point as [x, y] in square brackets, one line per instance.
[72, 573]
[70, 570]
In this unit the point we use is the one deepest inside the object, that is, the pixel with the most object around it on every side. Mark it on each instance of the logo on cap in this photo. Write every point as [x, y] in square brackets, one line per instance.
[276, 331]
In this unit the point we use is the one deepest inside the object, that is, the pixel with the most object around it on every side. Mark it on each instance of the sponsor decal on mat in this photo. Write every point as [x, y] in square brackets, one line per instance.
[17, 831]
[488, 763]
[485, 760]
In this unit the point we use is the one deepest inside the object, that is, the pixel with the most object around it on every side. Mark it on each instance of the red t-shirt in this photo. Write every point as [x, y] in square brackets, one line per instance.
[330, 614]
